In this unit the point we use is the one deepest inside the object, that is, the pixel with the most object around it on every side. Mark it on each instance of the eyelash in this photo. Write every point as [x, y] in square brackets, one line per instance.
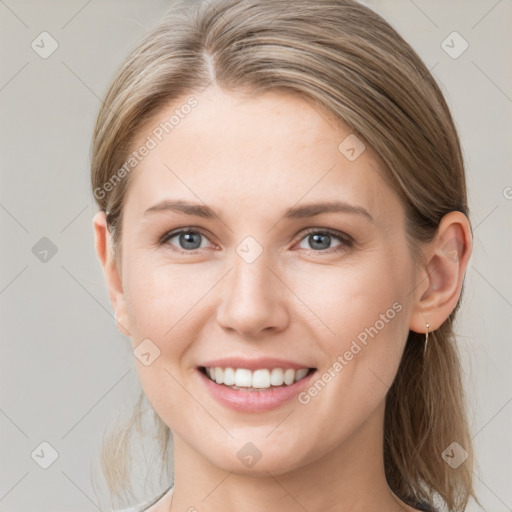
[346, 240]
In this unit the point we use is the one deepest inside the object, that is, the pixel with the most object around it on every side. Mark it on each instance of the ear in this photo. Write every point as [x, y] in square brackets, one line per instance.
[104, 251]
[441, 277]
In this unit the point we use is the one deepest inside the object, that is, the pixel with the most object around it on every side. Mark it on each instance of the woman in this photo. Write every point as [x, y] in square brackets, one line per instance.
[284, 233]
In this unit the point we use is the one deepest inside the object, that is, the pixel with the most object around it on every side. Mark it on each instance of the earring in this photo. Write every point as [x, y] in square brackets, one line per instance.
[426, 341]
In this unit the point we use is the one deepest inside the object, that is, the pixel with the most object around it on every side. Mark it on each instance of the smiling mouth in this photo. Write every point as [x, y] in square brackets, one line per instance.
[257, 380]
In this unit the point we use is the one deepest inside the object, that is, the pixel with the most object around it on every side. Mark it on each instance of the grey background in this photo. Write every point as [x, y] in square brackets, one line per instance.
[66, 373]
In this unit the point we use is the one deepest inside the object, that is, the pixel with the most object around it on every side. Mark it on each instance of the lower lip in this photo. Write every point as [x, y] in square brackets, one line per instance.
[254, 401]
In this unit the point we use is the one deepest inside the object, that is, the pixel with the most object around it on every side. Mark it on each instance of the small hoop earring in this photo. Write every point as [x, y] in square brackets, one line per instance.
[426, 341]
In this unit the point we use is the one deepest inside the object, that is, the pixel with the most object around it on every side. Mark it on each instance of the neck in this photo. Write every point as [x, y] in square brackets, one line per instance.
[348, 478]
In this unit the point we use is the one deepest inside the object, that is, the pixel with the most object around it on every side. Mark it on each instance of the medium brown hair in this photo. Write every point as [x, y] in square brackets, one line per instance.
[351, 63]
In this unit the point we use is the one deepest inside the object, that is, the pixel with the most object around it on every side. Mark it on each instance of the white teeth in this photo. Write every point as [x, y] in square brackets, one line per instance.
[219, 375]
[229, 376]
[243, 378]
[300, 374]
[261, 379]
[289, 376]
[277, 377]
[258, 379]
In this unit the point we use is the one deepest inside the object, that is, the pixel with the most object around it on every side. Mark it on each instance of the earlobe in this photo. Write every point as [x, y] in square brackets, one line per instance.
[447, 259]
[103, 243]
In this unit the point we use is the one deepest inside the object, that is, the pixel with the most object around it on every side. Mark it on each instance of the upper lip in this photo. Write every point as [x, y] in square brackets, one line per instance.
[254, 364]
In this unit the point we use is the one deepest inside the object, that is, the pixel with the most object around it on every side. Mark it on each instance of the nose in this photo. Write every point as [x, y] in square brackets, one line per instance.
[253, 299]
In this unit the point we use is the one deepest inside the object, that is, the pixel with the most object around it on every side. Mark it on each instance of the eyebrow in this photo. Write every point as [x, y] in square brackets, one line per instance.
[295, 212]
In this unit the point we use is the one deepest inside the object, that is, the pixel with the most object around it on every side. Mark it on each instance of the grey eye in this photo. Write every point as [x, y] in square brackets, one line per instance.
[319, 240]
[187, 240]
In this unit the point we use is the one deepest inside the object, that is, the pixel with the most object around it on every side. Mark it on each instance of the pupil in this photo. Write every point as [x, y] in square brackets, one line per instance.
[190, 240]
[324, 245]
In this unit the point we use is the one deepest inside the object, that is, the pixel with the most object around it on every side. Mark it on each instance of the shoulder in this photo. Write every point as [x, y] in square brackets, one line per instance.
[425, 507]
[417, 506]
[150, 506]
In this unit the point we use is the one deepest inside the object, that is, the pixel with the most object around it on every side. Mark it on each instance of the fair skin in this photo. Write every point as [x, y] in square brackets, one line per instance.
[249, 159]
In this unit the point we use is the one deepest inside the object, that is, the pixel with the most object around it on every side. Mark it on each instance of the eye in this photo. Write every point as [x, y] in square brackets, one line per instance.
[321, 239]
[187, 239]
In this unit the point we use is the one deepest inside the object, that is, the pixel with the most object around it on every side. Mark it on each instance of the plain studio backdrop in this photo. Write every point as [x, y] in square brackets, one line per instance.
[66, 372]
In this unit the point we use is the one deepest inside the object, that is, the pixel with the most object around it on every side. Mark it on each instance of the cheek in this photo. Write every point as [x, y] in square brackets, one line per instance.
[359, 317]
[362, 331]
[166, 306]
[353, 302]
[160, 299]
[162, 307]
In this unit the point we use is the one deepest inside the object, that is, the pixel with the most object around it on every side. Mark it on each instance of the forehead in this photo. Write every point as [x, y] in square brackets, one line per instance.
[273, 148]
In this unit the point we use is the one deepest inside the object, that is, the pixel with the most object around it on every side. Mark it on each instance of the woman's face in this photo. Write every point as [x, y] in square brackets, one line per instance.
[264, 280]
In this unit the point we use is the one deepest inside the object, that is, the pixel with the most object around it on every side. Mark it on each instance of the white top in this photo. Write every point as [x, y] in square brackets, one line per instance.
[148, 506]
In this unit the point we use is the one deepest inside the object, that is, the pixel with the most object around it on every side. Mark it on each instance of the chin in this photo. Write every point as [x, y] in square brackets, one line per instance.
[257, 459]
[273, 464]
